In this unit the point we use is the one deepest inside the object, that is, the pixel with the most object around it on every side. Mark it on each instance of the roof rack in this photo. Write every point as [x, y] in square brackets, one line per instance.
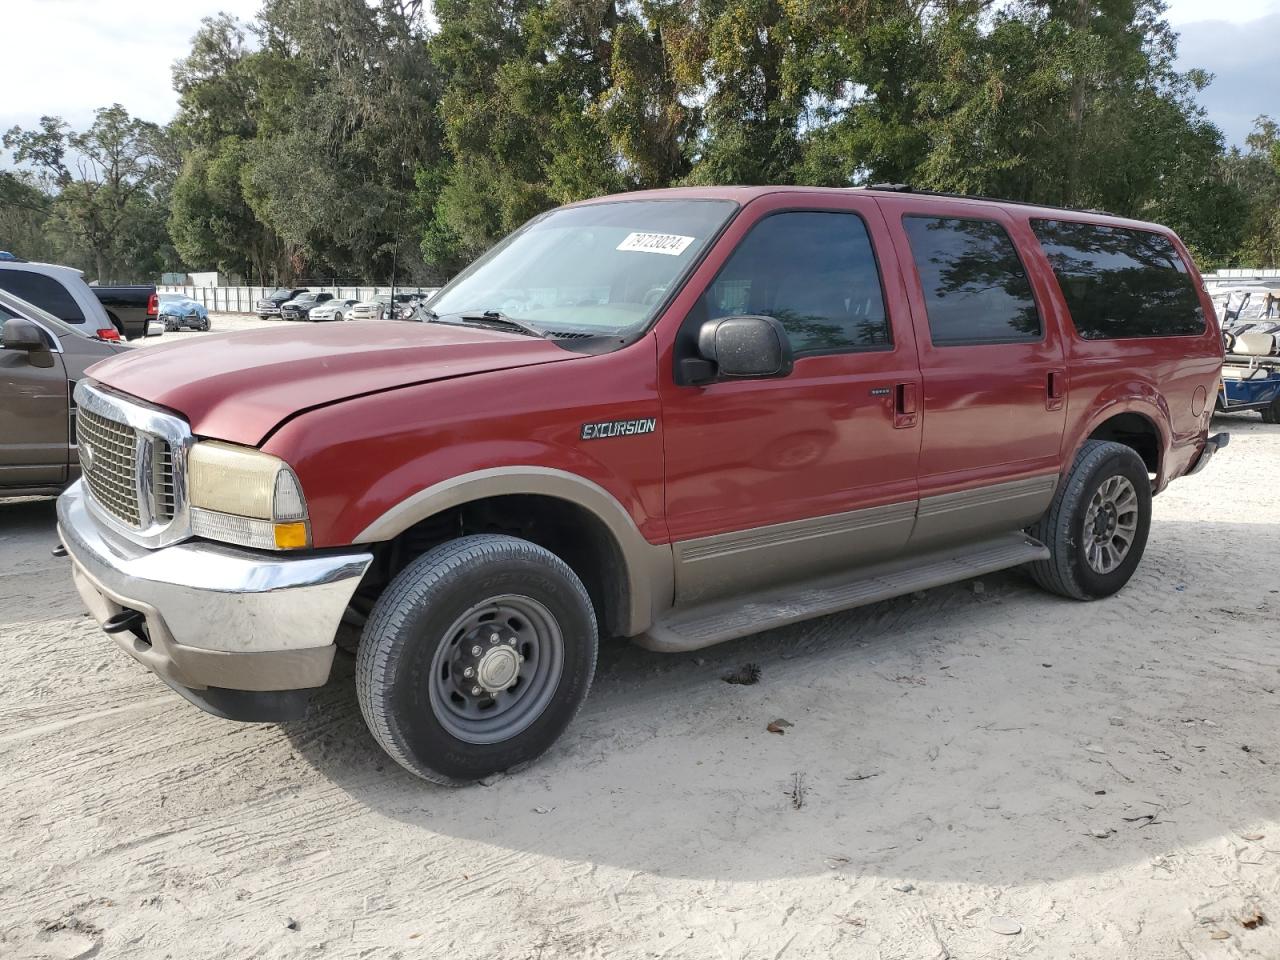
[907, 188]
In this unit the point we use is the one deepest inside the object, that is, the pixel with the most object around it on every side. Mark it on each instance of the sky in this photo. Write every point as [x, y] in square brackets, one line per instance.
[67, 57]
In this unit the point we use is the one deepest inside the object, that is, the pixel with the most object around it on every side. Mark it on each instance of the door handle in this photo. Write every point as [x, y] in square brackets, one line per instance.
[1055, 389]
[905, 405]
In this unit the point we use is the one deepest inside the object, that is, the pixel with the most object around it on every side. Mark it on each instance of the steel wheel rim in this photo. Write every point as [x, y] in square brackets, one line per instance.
[1110, 524]
[495, 714]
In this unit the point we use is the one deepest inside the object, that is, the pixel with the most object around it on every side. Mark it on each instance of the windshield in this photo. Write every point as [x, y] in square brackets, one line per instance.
[602, 268]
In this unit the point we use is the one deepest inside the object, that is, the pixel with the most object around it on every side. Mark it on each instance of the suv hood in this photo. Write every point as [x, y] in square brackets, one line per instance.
[238, 386]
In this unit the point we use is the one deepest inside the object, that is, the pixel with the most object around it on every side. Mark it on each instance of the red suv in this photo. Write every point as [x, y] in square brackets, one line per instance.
[679, 416]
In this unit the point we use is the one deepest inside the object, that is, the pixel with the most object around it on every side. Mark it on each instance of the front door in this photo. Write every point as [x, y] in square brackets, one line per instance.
[995, 380]
[777, 480]
[33, 420]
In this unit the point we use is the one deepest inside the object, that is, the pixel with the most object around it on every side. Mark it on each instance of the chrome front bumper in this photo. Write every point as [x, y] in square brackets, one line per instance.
[217, 619]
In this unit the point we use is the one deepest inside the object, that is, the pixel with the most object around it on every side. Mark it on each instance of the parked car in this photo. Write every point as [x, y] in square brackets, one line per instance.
[269, 306]
[41, 358]
[129, 308]
[109, 313]
[680, 416]
[331, 310]
[181, 312]
[301, 305]
[379, 307]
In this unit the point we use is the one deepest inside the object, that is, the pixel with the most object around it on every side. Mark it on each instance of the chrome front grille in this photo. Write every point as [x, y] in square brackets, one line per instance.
[163, 496]
[109, 462]
[133, 458]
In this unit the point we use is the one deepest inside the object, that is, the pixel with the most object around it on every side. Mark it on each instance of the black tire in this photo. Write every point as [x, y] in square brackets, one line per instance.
[414, 624]
[1068, 570]
[1271, 414]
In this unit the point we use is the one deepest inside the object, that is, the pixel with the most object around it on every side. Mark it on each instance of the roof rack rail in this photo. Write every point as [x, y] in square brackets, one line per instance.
[907, 188]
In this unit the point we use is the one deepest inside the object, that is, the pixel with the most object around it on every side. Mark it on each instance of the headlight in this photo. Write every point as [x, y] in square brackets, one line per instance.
[244, 496]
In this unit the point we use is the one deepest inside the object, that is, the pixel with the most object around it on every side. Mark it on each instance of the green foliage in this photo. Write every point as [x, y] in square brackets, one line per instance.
[1255, 173]
[103, 184]
[344, 137]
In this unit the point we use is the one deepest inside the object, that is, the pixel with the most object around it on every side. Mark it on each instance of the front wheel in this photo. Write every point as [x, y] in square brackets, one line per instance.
[1096, 528]
[476, 658]
[1271, 414]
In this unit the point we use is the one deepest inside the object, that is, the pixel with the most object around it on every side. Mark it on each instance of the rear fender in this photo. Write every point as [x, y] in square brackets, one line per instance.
[1130, 397]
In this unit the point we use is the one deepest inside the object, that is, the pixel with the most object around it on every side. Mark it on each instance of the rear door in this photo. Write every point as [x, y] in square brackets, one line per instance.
[775, 480]
[33, 419]
[991, 358]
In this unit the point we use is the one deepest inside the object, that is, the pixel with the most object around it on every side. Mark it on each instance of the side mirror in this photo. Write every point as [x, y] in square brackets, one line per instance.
[23, 335]
[739, 348]
[155, 328]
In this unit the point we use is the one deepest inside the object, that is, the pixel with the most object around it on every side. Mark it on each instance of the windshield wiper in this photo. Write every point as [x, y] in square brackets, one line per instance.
[494, 318]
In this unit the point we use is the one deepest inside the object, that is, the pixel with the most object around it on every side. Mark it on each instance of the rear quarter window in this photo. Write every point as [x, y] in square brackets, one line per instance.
[975, 288]
[45, 292]
[1121, 283]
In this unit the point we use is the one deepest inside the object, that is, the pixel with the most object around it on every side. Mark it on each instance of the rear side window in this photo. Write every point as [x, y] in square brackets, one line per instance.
[44, 292]
[975, 287]
[815, 273]
[1121, 283]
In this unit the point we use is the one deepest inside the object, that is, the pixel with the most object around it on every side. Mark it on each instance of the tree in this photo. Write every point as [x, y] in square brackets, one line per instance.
[24, 214]
[334, 172]
[1255, 173]
[103, 178]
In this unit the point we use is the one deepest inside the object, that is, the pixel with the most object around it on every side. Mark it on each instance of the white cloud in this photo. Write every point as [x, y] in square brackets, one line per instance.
[69, 57]
[1232, 11]
[1244, 69]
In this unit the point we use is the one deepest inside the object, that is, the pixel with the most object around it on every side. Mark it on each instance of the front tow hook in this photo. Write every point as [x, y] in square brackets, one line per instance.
[59, 551]
[131, 620]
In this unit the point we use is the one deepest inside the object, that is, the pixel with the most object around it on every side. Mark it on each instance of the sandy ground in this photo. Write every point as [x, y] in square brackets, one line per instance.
[1102, 776]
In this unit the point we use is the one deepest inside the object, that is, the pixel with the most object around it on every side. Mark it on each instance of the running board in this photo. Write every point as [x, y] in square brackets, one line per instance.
[719, 620]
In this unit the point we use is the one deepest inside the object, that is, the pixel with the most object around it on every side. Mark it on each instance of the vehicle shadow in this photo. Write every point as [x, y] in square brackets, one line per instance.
[983, 732]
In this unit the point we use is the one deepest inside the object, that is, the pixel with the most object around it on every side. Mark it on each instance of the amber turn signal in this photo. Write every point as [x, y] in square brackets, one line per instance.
[290, 536]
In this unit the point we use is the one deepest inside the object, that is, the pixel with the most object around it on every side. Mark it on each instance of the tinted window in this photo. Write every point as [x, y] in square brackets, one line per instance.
[975, 287]
[44, 292]
[1121, 283]
[815, 273]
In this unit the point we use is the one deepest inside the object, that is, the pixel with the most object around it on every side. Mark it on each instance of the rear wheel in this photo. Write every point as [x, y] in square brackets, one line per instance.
[1271, 414]
[476, 658]
[1096, 528]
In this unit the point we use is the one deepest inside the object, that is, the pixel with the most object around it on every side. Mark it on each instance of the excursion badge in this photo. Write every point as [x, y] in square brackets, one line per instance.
[618, 428]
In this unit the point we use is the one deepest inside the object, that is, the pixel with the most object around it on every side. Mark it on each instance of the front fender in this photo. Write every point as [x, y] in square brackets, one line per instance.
[373, 466]
[649, 567]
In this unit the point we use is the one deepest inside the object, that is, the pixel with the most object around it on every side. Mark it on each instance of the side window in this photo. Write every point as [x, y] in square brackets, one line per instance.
[1121, 283]
[975, 287]
[45, 292]
[813, 272]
